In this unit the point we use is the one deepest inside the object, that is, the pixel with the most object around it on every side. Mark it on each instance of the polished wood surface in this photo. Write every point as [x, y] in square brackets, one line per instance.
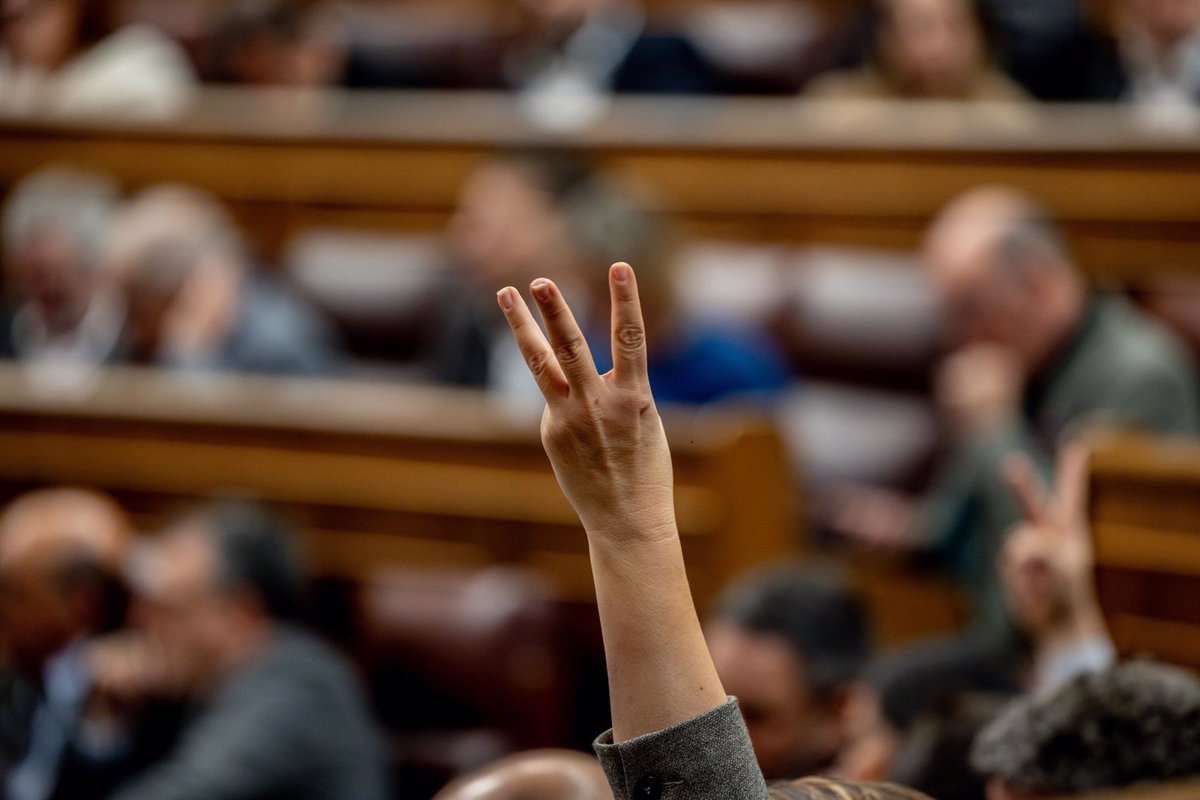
[379, 475]
[1146, 520]
[740, 168]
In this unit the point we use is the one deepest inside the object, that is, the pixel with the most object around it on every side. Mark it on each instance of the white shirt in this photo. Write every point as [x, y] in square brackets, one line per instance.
[136, 72]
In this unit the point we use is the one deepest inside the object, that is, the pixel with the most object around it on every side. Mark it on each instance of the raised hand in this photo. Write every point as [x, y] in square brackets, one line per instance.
[1048, 560]
[602, 433]
[606, 443]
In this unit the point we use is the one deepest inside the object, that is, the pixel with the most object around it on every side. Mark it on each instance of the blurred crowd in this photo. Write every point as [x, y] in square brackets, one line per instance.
[179, 666]
[564, 57]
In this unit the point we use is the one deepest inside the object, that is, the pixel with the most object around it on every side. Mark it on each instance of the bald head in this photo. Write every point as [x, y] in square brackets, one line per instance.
[541, 775]
[1002, 272]
[57, 550]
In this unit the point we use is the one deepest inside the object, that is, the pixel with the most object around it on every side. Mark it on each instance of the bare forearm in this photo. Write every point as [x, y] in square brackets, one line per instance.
[659, 669]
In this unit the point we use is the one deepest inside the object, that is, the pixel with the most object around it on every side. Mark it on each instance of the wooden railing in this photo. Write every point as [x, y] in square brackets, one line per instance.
[377, 475]
[1146, 520]
[747, 169]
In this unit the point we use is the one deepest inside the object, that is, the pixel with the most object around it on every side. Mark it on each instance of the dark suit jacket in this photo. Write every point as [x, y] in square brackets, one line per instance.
[294, 726]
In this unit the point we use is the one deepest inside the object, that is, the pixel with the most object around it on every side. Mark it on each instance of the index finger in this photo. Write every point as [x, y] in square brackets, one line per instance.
[1026, 486]
[628, 328]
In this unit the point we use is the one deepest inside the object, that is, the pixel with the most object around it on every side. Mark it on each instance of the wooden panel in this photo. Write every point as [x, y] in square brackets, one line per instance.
[1146, 519]
[759, 169]
[377, 474]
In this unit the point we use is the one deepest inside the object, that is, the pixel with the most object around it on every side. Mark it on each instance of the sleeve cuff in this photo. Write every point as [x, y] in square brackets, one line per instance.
[708, 757]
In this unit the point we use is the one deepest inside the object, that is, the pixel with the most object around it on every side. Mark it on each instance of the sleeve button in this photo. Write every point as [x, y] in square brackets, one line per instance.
[648, 788]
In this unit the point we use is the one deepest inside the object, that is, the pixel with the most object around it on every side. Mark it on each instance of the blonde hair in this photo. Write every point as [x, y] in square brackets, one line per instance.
[827, 789]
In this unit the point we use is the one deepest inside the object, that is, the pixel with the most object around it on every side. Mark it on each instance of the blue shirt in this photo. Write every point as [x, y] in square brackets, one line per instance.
[709, 364]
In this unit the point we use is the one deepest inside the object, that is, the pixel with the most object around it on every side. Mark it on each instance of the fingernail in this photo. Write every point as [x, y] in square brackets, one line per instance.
[621, 272]
[504, 296]
[541, 289]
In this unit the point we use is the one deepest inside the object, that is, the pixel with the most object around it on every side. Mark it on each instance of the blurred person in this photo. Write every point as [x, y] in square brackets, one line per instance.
[1047, 566]
[279, 43]
[277, 713]
[572, 54]
[696, 361]
[1159, 45]
[64, 57]
[539, 775]
[791, 644]
[1085, 725]
[1131, 727]
[56, 223]
[527, 214]
[194, 300]
[1035, 356]
[924, 49]
[62, 554]
[824, 789]
[509, 226]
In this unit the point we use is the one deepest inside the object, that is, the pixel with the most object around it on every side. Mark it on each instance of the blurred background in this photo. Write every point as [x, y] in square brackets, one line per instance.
[250, 250]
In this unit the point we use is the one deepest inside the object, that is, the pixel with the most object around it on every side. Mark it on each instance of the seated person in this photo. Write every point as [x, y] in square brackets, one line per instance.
[193, 299]
[1034, 356]
[55, 228]
[695, 361]
[62, 57]
[1131, 727]
[523, 215]
[278, 714]
[676, 734]
[62, 553]
[924, 49]
[278, 43]
[791, 644]
[1159, 46]
[540, 775]
[508, 228]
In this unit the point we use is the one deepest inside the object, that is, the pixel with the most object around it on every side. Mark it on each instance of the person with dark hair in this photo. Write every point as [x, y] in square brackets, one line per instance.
[62, 553]
[63, 57]
[508, 227]
[1133, 726]
[278, 714]
[791, 643]
[924, 49]
[278, 43]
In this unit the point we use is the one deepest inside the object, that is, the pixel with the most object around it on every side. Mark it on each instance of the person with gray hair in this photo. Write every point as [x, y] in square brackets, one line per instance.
[56, 223]
[1034, 356]
[195, 302]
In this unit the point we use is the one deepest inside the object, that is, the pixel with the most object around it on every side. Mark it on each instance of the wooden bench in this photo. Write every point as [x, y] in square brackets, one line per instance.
[377, 475]
[1146, 519]
[761, 170]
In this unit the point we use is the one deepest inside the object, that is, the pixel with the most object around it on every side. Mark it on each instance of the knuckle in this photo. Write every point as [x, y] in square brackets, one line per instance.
[538, 363]
[571, 350]
[631, 337]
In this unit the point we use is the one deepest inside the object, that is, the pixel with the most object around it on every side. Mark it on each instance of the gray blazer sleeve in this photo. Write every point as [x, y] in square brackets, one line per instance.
[706, 758]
